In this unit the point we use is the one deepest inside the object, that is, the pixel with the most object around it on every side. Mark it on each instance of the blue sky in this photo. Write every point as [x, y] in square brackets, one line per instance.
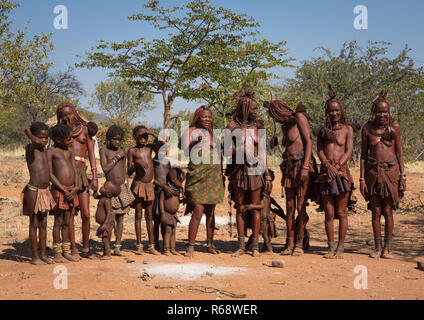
[305, 25]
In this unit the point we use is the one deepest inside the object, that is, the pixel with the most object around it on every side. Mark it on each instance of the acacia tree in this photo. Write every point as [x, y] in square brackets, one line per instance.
[357, 75]
[169, 66]
[233, 68]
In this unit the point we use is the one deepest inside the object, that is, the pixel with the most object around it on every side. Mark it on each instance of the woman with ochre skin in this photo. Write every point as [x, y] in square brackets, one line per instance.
[382, 177]
[335, 146]
[204, 186]
[82, 145]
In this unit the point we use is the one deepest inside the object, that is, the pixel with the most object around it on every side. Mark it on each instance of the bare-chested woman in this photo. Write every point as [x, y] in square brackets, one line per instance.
[298, 169]
[204, 187]
[335, 145]
[82, 134]
[383, 179]
[245, 185]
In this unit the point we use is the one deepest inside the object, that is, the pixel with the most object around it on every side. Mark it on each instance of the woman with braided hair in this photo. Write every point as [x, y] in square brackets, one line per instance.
[382, 177]
[335, 146]
[82, 145]
[246, 178]
[298, 171]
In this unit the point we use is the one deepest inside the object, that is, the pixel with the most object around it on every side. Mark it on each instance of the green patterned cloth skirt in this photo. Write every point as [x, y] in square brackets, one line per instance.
[204, 184]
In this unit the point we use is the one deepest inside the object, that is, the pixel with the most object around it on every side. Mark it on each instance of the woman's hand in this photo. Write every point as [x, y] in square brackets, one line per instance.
[364, 190]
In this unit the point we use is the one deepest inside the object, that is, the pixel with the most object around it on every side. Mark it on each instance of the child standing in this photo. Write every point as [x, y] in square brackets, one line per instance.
[140, 161]
[168, 208]
[65, 186]
[113, 162]
[105, 216]
[37, 200]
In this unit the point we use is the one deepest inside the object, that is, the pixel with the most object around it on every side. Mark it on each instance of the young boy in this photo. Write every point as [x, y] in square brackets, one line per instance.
[140, 161]
[113, 162]
[65, 186]
[37, 200]
[168, 208]
[105, 216]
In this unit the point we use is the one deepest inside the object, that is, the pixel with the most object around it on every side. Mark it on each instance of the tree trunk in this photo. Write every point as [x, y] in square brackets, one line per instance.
[166, 115]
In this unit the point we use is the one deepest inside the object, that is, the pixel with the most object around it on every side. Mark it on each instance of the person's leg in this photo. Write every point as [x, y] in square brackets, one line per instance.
[119, 228]
[376, 205]
[210, 227]
[137, 224]
[290, 222]
[239, 199]
[66, 243]
[193, 227]
[301, 220]
[148, 216]
[106, 245]
[388, 228]
[42, 229]
[167, 240]
[341, 209]
[173, 241]
[33, 227]
[84, 202]
[255, 198]
[57, 229]
[328, 204]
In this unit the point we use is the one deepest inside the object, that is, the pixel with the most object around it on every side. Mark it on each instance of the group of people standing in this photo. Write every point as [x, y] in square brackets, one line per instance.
[157, 187]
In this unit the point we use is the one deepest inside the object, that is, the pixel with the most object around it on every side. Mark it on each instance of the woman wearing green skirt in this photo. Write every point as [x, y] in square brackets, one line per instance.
[204, 186]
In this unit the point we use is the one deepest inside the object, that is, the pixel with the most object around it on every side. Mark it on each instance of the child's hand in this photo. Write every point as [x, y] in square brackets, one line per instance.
[69, 195]
[402, 186]
[168, 191]
[102, 228]
[121, 153]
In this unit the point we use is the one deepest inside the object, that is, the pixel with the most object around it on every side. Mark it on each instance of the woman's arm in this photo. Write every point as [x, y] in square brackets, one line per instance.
[92, 159]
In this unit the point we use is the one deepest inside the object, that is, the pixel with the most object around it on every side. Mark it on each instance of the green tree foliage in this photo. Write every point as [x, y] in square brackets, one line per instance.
[358, 74]
[28, 88]
[121, 104]
[236, 67]
[119, 101]
[171, 65]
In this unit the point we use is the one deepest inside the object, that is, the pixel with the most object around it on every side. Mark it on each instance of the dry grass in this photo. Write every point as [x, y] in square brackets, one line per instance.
[415, 167]
[12, 153]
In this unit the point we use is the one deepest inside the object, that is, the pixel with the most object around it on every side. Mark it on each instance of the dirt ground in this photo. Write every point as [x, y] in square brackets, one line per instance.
[133, 277]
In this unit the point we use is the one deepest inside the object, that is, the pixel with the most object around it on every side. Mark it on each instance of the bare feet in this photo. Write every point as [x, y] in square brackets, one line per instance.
[76, 254]
[239, 253]
[139, 250]
[297, 252]
[166, 252]
[70, 257]
[331, 251]
[37, 261]
[152, 250]
[387, 254]
[288, 248]
[255, 253]
[117, 251]
[376, 253]
[58, 258]
[190, 251]
[339, 251]
[47, 259]
[175, 252]
[106, 257]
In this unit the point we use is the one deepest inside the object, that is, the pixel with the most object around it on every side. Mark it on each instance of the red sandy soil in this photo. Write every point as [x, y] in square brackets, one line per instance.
[307, 277]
